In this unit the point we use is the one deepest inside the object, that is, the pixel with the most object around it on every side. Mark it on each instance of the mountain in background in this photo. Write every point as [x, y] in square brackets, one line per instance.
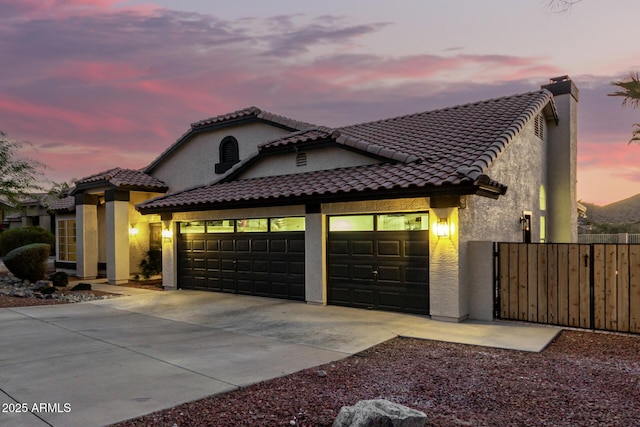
[625, 211]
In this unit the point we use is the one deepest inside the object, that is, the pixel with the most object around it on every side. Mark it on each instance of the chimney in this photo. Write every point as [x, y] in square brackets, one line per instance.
[562, 147]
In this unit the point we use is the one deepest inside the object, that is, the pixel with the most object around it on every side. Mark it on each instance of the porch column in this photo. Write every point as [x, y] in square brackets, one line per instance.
[169, 260]
[447, 296]
[117, 209]
[86, 236]
[315, 263]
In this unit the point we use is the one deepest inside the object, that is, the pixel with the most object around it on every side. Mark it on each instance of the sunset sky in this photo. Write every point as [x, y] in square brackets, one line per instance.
[94, 84]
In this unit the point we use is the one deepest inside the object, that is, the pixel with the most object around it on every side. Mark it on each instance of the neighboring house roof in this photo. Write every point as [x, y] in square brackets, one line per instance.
[126, 179]
[443, 151]
[41, 200]
[66, 204]
[16, 217]
[237, 117]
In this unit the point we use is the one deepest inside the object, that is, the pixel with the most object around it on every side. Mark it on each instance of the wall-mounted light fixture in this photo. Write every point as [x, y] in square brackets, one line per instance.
[442, 229]
[133, 230]
[166, 234]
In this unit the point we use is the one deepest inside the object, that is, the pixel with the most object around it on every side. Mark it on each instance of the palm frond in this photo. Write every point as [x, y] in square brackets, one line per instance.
[630, 90]
[635, 136]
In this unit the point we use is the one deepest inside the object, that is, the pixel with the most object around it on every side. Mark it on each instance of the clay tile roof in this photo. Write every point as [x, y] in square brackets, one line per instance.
[321, 133]
[466, 135]
[252, 112]
[433, 150]
[66, 204]
[315, 133]
[123, 178]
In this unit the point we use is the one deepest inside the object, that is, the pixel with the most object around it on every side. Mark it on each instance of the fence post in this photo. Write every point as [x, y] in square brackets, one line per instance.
[623, 238]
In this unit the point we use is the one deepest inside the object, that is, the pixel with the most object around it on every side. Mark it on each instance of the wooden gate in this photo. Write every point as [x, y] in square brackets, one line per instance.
[594, 286]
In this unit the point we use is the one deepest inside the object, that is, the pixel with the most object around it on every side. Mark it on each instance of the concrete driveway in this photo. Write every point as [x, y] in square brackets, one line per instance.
[97, 363]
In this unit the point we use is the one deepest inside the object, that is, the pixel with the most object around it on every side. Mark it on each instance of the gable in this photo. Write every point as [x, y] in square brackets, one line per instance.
[194, 161]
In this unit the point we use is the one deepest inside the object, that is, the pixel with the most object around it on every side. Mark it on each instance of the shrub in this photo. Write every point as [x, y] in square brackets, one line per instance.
[48, 290]
[28, 262]
[82, 287]
[151, 263]
[17, 237]
[59, 279]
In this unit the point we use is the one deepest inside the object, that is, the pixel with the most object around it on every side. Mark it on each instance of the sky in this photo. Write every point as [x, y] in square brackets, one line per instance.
[95, 84]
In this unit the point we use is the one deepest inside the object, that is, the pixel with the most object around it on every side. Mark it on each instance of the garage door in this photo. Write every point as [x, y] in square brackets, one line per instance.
[263, 257]
[379, 262]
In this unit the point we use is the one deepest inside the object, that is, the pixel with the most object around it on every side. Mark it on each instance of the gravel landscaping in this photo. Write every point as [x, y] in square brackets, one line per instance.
[582, 379]
[18, 293]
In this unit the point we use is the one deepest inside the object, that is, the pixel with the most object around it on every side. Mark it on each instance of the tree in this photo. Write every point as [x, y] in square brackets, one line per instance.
[630, 91]
[59, 189]
[18, 175]
[561, 6]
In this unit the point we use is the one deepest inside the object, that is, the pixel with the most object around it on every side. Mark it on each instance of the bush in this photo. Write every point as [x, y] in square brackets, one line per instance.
[48, 290]
[28, 262]
[17, 237]
[82, 287]
[151, 263]
[59, 279]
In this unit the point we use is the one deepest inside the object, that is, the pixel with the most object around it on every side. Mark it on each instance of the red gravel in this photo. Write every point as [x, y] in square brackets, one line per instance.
[7, 301]
[581, 379]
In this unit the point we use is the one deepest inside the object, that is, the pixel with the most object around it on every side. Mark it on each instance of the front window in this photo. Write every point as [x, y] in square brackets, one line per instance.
[67, 240]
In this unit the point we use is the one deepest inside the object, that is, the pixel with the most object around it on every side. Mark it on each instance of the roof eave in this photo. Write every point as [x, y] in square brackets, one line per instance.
[106, 184]
[484, 189]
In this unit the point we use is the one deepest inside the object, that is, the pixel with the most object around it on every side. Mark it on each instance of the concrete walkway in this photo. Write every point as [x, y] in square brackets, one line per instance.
[100, 362]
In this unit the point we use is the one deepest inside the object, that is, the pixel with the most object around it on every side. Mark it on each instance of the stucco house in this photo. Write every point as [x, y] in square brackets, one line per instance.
[31, 209]
[380, 215]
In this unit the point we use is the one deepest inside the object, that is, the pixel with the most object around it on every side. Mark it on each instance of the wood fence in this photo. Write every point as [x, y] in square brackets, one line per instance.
[594, 286]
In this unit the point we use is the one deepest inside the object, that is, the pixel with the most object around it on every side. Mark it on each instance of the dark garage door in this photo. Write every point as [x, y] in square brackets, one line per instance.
[266, 263]
[380, 267]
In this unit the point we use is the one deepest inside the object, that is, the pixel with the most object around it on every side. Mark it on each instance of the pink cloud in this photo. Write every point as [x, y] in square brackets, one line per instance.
[97, 85]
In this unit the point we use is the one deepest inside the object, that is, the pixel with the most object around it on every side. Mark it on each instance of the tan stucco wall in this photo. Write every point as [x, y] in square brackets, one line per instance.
[522, 167]
[194, 162]
[317, 159]
[563, 197]
[102, 233]
[139, 243]
[479, 256]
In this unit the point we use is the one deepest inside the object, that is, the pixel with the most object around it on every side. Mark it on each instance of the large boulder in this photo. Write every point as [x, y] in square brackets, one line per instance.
[28, 262]
[379, 413]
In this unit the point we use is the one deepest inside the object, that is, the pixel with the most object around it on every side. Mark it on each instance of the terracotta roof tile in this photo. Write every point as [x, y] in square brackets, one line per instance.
[447, 147]
[123, 178]
[66, 204]
[253, 112]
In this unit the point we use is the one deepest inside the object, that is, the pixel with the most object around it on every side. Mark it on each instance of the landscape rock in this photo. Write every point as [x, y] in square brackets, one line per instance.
[379, 413]
[42, 289]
